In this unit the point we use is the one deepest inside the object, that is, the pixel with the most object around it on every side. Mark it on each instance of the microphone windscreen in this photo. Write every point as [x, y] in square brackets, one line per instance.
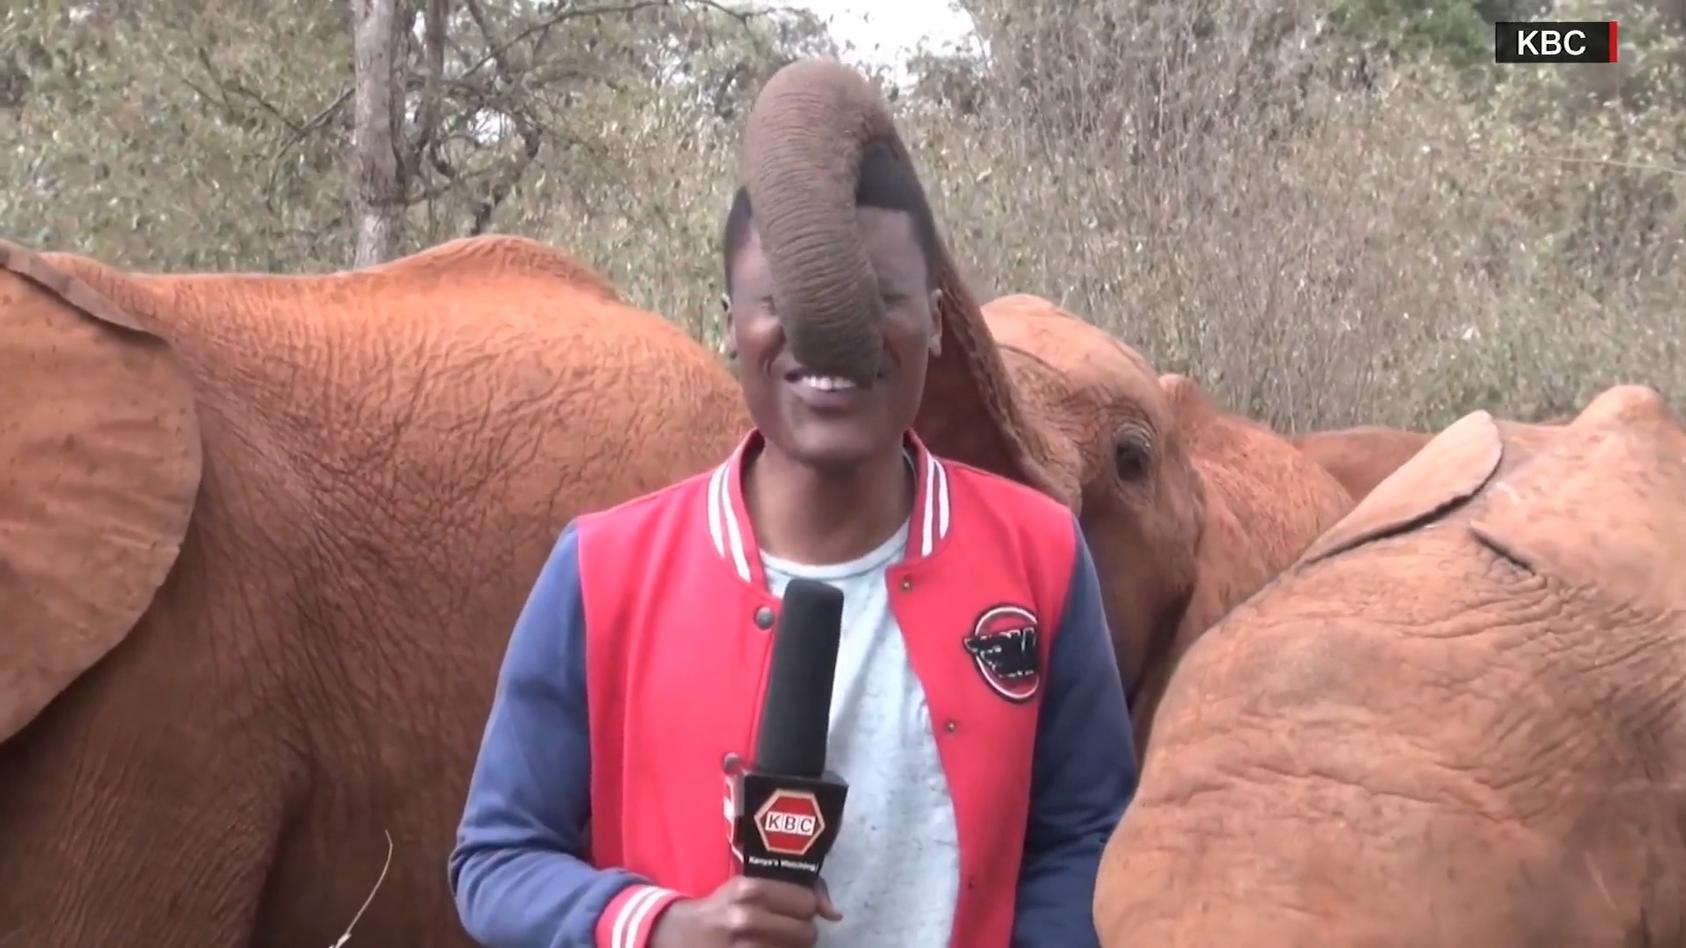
[796, 713]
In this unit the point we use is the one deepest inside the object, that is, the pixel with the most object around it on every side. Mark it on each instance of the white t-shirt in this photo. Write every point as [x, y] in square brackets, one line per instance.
[894, 871]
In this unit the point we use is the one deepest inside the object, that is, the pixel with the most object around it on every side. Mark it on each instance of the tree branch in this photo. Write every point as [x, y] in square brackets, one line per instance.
[230, 85]
[531, 139]
[316, 123]
[427, 114]
[497, 50]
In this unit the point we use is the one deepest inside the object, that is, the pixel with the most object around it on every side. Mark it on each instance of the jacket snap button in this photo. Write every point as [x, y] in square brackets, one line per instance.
[907, 583]
[950, 726]
[764, 617]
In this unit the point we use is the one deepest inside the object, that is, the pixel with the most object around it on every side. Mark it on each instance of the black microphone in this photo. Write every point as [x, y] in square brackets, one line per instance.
[787, 808]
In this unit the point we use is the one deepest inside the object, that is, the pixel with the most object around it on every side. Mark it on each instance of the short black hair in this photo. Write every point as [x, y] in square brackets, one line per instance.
[885, 183]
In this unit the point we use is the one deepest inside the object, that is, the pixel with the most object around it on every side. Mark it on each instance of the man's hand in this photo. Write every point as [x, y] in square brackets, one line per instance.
[747, 913]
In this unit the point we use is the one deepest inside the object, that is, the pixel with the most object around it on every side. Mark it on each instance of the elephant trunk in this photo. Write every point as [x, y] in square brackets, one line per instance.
[810, 126]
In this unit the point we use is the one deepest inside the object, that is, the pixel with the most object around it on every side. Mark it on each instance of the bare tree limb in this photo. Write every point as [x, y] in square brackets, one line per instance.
[440, 150]
[227, 85]
[376, 195]
[505, 184]
[497, 50]
[531, 139]
[427, 111]
[424, 144]
[315, 124]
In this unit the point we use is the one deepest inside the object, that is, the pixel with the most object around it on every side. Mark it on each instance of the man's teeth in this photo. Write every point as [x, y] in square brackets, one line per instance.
[826, 383]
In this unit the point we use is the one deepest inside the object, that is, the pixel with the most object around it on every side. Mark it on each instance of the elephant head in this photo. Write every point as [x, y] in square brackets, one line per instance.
[1458, 719]
[1188, 509]
[1027, 392]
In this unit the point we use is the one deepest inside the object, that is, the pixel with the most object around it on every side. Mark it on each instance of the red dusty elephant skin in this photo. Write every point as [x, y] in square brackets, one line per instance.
[1458, 719]
[1363, 456]
[1188, 509]
[262, 540]
[267, 536]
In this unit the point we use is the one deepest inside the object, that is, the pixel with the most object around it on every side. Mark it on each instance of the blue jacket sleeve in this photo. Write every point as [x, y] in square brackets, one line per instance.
[519, 872]
[1083, 776]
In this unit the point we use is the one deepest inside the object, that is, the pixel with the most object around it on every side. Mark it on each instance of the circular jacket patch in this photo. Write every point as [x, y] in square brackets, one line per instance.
[1003, 645]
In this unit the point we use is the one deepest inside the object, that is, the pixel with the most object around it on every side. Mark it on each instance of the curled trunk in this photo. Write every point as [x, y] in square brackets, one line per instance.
[811, 124]
[803, 148]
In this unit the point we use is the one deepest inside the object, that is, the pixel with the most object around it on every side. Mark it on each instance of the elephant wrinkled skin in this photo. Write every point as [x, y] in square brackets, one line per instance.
[1457, 720]
[262, 541]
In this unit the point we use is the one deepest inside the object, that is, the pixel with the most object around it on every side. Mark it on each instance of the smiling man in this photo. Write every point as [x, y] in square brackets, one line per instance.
[976, 714]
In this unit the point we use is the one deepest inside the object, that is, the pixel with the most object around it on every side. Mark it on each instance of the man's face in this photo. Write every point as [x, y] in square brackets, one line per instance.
[828, 424]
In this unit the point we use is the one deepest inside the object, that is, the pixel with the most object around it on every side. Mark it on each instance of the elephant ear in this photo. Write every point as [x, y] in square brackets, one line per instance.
[1601, 503]
[99, 466]
[1450, 469]
[971, 412]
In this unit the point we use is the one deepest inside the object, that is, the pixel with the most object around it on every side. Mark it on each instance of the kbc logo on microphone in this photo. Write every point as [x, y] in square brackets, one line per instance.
[790, 822]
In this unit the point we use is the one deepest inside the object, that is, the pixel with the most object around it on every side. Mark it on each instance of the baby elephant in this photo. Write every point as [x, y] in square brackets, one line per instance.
[1459, 719]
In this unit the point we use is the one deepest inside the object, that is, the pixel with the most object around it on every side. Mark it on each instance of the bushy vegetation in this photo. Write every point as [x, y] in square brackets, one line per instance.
[1328, 211]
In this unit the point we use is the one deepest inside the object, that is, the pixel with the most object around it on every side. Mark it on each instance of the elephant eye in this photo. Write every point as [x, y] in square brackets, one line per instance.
[1132, 455]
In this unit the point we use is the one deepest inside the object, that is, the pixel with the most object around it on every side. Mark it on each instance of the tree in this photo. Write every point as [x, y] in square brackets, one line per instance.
[378, 195]
[176, 134]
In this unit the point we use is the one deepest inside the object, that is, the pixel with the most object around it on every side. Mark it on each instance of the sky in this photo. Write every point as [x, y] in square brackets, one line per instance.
[887, 31]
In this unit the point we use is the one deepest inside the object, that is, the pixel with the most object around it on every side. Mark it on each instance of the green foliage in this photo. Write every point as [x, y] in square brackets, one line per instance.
[1326, 217]
[220, 139]
[184, 146]
[1452, 29]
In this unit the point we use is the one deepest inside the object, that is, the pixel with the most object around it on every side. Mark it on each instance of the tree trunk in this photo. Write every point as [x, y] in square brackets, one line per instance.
[377, 191]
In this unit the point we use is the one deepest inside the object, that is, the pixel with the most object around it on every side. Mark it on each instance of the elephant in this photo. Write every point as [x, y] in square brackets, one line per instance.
[264, 541]
[1362, 456]
[314, 505]
[1455, 720]
[1054, 403]
[1187, 509]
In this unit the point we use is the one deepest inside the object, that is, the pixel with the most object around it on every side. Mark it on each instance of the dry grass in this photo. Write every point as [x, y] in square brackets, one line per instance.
[1322, 244]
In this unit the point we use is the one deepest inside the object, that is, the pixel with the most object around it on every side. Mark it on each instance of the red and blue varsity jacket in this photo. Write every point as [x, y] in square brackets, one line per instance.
[636, 671]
